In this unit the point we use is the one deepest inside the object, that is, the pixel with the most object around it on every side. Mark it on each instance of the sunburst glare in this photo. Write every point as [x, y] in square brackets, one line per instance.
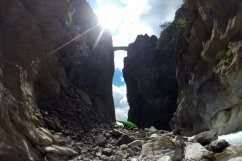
[109, 17]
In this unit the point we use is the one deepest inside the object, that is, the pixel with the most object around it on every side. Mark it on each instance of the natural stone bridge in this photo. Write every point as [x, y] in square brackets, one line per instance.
[120, 48]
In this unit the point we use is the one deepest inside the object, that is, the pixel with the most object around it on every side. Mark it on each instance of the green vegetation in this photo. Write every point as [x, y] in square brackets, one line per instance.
[127, 123]
[182, 23]
[223, 57]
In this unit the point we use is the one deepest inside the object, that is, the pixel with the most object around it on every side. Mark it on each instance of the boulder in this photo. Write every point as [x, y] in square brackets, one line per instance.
[206, 137]
[107, 151]
[137, 143]
[194, 151]
[165, 158]
[163, 147]
[101, 140]
[116, 133]
[218, 146]
[124, 139]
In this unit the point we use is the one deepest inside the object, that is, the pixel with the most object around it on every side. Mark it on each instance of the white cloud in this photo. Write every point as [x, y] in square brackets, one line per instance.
[119, 94]
[160, 12]
[143, 17]
[120, 102]
[99, 1]
[131, 25]
[129, 31]
[118, 59]
[121, 114]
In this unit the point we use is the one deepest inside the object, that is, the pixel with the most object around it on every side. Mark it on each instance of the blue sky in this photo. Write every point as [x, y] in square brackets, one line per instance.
[128, 19]
[118, 78]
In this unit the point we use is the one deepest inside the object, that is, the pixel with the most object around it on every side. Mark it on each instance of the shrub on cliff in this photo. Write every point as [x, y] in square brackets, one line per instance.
[182, 23]
[223, 57]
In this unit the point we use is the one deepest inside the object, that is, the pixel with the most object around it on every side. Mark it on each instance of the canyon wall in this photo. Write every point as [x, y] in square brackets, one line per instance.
[71, 85]
[201, 51]
[209, 71]
[150, 75]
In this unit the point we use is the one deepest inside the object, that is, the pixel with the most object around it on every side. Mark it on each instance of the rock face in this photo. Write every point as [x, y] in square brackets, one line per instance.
[204, 45]
[209, 70]
[33, 74]
[151, 84]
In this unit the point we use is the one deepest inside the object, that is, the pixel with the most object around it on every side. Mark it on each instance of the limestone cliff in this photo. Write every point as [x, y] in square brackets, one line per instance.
[35, 72]
[209, 70]
[204, 44]
[149, 74]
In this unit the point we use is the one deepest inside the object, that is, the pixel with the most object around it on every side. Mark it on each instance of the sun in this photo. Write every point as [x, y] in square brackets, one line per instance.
[109, 17]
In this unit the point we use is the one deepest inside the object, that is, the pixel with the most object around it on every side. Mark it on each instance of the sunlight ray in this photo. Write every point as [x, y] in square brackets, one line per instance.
[55, 50]
[98, 38]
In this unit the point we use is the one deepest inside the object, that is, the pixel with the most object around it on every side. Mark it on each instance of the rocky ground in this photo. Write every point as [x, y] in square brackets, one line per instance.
[83, 133]
[133, 144]
[71, 112]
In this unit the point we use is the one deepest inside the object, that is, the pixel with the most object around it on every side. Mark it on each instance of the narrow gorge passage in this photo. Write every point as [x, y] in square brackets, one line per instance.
[60, 80]
[119, 86]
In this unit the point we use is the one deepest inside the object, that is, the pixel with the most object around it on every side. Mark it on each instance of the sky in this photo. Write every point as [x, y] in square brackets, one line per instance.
[126, 19]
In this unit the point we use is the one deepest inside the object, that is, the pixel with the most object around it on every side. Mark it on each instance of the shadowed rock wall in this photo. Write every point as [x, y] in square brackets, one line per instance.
[149, 74]
[31, 74]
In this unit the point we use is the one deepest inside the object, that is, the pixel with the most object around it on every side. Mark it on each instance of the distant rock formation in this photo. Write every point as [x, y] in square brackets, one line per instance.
[204, 44]
[151, 83]
[209, 70]
[34, 76]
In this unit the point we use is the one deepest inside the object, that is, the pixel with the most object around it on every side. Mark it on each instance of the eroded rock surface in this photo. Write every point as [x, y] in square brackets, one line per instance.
[35, 71]
[209, 70]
